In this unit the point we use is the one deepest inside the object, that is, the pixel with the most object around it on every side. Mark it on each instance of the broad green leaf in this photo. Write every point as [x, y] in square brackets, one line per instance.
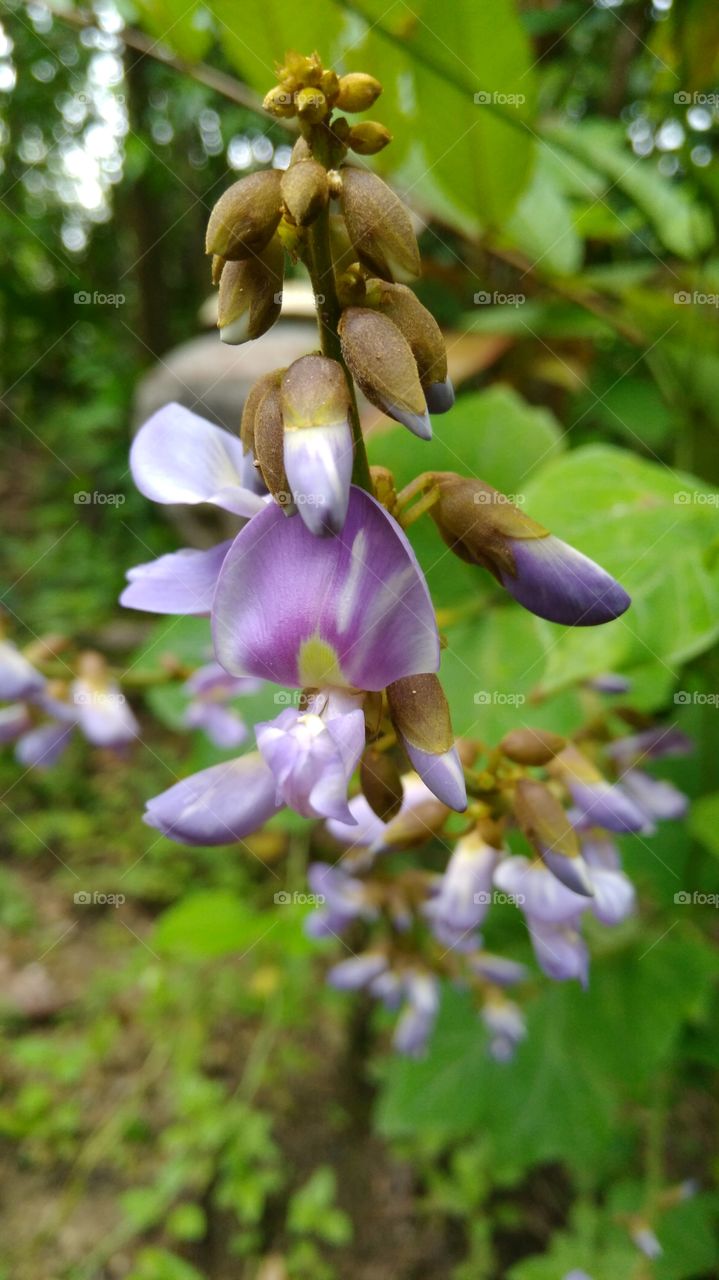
[255, 37]
[542, 226]
[704, 822]
[212, 922]
[186, 29]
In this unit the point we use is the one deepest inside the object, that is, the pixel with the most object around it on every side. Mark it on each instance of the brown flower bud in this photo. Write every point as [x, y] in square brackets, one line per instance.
[545, 824]
[280, 102]
[369, 137]
[531, 746]
[382, 364]
[341, 129]
[381, 783]
[420, 712]
[357, 92]
[341, 247]
[245, 217]
[305, 191]
[414, 825]
[479, 523]
[249, 409]
[251, 295]
[269, 442]
[379, 226]
[301, 151]
[417, 325]
[311, 105]
[217, 266]
[314, 393]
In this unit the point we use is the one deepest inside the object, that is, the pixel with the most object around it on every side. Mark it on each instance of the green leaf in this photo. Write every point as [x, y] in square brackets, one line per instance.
[255, 37]
[703, 822]
[213, 922]
[185, 28]
[542, 225]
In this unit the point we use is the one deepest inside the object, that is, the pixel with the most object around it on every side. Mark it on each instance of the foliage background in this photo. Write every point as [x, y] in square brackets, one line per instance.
[188, 1100]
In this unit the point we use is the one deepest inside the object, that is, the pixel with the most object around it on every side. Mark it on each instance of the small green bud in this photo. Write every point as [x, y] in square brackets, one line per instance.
[246, 216]
[531, 746]
[419, 327]
[357, 92]
[305, 191]
[330, 86]
[341, 129]
[478, 522]
[269, 441]
[420, 713]
[368, 138]
[280, 102]
[251, 295]
[379, 226]
[311, 105]
[382, 364]
[381, 784]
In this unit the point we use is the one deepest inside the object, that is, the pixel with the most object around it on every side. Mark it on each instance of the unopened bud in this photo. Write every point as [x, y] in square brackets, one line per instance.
[381, 784]
[217, 266]
[545, 824]
[318, 450]
[420, 329]
[245, 217]
[383, 366]
[341, 129]
[330, 86]
[531, 746]
[357, 92]
[305, 191]
[369, 137]
[280, 102]
[249, 409]
[420, 714]
[311, 105]
[251, 295]
[269, 442]
[300, 69]
[379, 226]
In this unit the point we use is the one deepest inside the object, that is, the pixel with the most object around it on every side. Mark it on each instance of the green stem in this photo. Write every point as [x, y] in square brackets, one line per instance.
[319, 264]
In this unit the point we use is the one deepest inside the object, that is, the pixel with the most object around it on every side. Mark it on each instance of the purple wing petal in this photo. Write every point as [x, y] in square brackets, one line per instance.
[18, 678]
[318, 463]
[217, 805]
[41, 747]
[178, 456]
[350, 611]
[181, 582]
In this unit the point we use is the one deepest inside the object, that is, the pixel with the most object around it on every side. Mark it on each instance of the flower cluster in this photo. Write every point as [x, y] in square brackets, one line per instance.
[320, 592]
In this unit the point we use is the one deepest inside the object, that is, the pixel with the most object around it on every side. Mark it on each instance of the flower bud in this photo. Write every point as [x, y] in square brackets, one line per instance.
[600, 803]
[318, 449]
[252, 475]
[330, 86]
[311, 105]
[305, 191]
[251, 295]
[357, 92]
[269, 441]
[246, 216]
[218, 264]
[548, 829]
[424, 337]
[381, 783]
[544, 574]
[383, 366]
[298, 68]
[531, 746]
[420, 715]
[379, 226]
[369, 137]
[280, 102]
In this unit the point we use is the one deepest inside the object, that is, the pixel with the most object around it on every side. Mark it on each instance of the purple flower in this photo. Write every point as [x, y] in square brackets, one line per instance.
[313, 759]
[43, 745]
[651, 744]
[599, 803]
[610, 683]
[14, 720]
[345, 899]
[358, 971]
[538, 893]
[557, 582]
[318, 463]
[347, 612]
[614, 895]
[103, 715]
[421, 992]
[655, 797]
[465, 889]
[505, 1023]
[18, 677]
[217, 805]
[497, 969]
[442, 773]
[210, 687]
[176, 457]
[560, 950]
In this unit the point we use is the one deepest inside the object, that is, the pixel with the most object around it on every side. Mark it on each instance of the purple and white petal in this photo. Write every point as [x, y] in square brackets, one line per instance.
[537, 892]
[177, 456]
[419, 1014]
[558, 583]
[443, 774]
[212, 679]
[222, 725]
[181, 582]
[655, 797]
[39, 748]
[14, 720]
[650, 744]
[103, 714]
[497, 969]
[358, 971]
[602, 804]
[318, 464]
[218, 805]
[351, 611]
[507, 1028]
[560, 950]
[465, 889]
[313, 759]
[18, 677]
